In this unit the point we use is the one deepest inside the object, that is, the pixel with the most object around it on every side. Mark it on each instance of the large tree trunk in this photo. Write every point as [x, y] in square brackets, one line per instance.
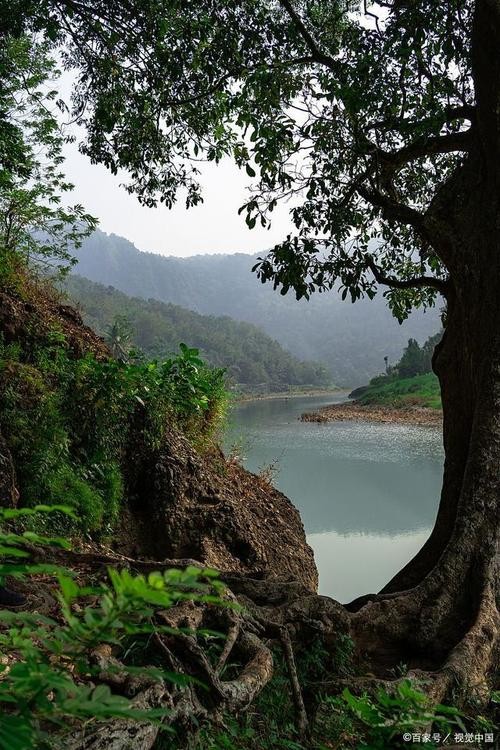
[460, 362]
[447, 605]
[444, 604]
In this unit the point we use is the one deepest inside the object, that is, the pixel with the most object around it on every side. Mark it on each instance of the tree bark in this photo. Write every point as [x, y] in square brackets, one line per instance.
[444, 603]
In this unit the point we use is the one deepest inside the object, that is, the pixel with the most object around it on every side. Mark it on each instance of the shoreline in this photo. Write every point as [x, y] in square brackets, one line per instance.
[417, 415]
[245, 398]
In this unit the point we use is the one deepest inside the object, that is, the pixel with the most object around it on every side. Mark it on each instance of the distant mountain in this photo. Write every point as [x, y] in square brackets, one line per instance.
[351, 339]
[250, 356]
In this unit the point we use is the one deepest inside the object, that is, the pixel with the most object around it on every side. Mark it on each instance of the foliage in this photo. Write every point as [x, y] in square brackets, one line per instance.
[119, 335]
[421, 390]
[181, 387]
[360, 115]
[369, 722]
[385, 718]
[410, 382]
[34, 224]
[68, 422]
[46, 666]
[249, 356]
[416, 360]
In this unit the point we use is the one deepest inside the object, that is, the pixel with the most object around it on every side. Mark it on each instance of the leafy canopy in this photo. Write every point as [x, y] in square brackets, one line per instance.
[357, 112]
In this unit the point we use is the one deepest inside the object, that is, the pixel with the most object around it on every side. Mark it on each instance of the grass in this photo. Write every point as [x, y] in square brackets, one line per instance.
[420, 390]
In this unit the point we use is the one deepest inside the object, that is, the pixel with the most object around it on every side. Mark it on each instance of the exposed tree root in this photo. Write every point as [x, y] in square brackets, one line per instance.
[388, 630]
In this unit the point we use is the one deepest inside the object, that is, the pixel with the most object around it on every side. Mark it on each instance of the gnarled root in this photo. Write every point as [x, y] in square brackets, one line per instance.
[428, 628]
[448, 634]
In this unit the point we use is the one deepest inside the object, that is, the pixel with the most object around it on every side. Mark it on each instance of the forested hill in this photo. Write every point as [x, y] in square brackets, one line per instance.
[250, 356]
[351, 339]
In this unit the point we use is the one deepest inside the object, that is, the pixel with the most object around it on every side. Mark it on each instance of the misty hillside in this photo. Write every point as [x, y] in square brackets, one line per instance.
[249, 355]
[351, 339]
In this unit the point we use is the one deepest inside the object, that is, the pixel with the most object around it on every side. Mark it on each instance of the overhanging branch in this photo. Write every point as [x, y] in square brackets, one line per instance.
[440, 144]
[392, 209]
[412, 283]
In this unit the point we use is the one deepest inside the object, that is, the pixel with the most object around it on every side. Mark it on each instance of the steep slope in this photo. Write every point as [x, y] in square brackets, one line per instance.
[174, 501]
[249, 355]
[351, 339]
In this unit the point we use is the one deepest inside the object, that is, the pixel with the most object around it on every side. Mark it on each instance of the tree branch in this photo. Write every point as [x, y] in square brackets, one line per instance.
[317, 54]
[440, 144]
[415, 282]
[176, 102]
[383, 164]
[391, 209]
[401, 124]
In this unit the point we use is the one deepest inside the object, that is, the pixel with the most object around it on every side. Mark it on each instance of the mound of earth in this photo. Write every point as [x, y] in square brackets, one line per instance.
[179, 503]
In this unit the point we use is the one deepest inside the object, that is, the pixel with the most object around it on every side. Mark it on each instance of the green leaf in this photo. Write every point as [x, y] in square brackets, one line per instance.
[16, 733]
[69, 589]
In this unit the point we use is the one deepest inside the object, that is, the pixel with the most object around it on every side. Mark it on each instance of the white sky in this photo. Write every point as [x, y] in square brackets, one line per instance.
[212, 227]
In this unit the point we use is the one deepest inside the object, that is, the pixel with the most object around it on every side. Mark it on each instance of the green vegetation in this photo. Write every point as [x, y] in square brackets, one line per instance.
[410, 382]
[383, 128]
[68, 421]
[421, 390]
[383, 719]
[370, 721]
[249, 356]
[416, 360]
[35, 222]
[48, 676]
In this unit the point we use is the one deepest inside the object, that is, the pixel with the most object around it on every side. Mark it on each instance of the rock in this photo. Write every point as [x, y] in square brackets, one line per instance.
[247, 526]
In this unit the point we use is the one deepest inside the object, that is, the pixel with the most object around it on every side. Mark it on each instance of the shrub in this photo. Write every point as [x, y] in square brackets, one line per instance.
[387, 720]
[47, 682]
[68, 422]
[66, 487]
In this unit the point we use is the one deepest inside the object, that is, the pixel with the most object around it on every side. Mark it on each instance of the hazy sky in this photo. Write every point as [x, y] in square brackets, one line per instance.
[211, 227]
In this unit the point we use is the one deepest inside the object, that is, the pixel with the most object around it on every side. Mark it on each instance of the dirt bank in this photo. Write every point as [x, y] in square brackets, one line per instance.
[245, 397]
[178, 502]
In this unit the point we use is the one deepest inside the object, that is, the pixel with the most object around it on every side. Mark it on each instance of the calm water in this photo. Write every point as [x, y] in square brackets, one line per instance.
[367, 492]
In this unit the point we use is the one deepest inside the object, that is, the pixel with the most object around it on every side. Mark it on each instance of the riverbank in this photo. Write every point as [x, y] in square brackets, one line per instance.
[417, 415]
[244, 397]
[398, 392]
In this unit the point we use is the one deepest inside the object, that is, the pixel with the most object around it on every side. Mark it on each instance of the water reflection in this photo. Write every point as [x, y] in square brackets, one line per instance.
[367, 492]
[360, 563]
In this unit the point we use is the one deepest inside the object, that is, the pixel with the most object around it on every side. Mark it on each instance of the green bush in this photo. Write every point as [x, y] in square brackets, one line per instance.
[387, 720]
[86, 501]
[69, 422]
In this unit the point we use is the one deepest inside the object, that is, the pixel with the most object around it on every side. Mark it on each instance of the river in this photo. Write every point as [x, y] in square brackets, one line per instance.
[367, 492]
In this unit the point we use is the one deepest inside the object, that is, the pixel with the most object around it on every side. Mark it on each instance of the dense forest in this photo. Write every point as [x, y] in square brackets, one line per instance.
[352, 340]
[249, 356]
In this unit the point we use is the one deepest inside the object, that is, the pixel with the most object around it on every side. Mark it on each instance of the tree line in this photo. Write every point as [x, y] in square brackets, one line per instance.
[249, 356]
